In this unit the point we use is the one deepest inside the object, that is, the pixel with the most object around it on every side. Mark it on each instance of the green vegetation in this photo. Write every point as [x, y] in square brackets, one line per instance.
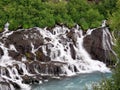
[110, 84]
[114, 19]
[42, 13]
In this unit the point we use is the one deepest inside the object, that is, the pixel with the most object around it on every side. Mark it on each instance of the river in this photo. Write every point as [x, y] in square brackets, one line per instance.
[80, 82]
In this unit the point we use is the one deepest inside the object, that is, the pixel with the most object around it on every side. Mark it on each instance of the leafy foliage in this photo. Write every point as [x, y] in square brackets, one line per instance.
[110, 84]
[114, 19]
[42, 13]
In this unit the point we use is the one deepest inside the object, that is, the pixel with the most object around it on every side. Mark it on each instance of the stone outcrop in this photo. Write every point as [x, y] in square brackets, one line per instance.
[99, 45]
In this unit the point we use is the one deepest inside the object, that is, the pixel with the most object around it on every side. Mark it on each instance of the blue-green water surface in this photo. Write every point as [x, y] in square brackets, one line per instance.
[79, 82]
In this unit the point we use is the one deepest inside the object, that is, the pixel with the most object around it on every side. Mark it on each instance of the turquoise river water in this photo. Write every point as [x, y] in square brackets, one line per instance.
[79, 82]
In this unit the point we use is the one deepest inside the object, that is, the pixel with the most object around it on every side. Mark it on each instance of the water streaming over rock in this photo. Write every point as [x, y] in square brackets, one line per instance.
[36, 54]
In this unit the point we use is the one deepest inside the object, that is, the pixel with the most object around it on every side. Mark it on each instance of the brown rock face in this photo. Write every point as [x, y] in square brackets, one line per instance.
[41, 57]
[98, 44]
[1, 52]
[22, 40]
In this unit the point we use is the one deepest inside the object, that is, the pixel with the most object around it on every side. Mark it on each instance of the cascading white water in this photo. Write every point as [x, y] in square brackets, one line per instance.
[6, 62]
[61, 52]
[59, 47]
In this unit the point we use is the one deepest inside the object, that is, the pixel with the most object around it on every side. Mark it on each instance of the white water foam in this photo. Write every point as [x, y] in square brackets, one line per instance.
[7, 61]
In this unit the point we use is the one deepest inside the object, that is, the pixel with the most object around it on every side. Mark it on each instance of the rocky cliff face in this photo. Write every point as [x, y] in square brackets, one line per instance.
[99, 45]
[35, 54]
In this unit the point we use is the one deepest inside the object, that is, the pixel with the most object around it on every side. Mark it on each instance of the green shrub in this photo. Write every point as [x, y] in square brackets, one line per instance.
[42, 13]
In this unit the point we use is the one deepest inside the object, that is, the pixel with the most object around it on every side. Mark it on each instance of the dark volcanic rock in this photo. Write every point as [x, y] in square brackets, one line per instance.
[15, 55]
[72, 50]
[23, 39]
[98, 44]
[40, 56]
[31, 80]
[1, 52]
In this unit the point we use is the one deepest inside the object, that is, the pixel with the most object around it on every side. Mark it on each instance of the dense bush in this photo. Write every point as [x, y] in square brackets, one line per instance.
[114, 19]
[42, 13]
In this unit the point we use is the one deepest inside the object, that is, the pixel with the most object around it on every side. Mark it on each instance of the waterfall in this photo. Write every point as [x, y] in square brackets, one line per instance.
[28, 56]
